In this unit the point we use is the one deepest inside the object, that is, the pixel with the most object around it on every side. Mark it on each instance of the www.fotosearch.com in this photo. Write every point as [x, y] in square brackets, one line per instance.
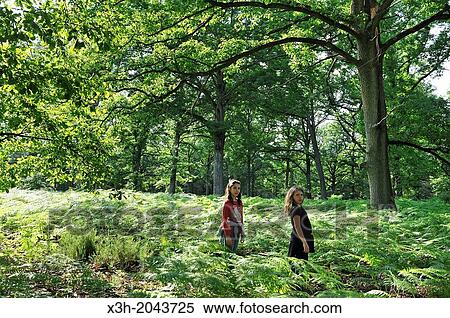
[242, 307]
[254, 308]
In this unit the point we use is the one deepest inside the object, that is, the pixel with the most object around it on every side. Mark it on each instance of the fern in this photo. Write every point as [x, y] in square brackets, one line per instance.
[398, 286]
[157, 245]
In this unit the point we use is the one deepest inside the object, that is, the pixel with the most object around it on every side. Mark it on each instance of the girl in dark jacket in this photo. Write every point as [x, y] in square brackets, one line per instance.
[302, 240]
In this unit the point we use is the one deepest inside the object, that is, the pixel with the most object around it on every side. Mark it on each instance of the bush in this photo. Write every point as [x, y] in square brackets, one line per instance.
[121, 252]
[441, 187]
[78, 247]
[34, 182]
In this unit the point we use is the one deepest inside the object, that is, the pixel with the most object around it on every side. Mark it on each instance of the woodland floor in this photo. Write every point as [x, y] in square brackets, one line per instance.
[79, 244]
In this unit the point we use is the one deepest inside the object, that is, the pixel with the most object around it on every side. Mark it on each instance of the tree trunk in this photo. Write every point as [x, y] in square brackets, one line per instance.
[398, 186]
[249, 173]
[138, 150]
[218, 185]
[372, 92]
[249, 153]
[307, 141]
[287, 173]
[317, 156]
[353, 174]
[253, 182]
[308, 176]
[189, 157]
[208, 186]
[175, 152]
[218, 133]
[333, 178]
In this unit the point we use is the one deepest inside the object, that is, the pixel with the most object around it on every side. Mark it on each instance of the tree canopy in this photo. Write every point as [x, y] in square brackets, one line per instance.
[181, 95]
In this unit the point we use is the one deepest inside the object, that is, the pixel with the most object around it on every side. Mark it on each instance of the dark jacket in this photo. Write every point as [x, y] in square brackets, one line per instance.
[305, 226]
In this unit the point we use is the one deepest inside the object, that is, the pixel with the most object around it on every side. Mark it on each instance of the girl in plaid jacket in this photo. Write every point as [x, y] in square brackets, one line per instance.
[232, 226]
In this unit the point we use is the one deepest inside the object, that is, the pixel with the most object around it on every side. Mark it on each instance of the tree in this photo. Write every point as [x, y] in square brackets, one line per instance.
[50, 99]
[358, 38]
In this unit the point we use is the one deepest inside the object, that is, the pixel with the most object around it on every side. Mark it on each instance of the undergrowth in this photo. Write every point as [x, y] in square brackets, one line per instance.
[76, 244]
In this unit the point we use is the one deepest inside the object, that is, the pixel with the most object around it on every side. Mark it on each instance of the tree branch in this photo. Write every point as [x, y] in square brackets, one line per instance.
[155, 98]
[431, 151]
[381, 12]
[7, 135]
[179, 21]
[328, 45]
[303, 9]
[444, 14]
[424, 76]
[200, 88]
[289, 25]
[341, 122]
[222, 64]
[180, 39]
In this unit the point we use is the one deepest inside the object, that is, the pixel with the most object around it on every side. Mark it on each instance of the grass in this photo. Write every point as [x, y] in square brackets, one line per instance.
[77, 244]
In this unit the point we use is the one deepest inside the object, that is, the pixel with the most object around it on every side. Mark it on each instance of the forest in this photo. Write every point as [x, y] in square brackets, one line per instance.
[121, 121]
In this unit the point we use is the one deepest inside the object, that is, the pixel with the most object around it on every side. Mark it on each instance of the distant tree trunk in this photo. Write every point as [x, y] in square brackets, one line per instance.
[219, 142]
[219, 100]
[317, 156]
[308, 176]
[138, 151]
[189, 158]
[249, 173]
[398, 185]
[249, 153]
[287, 173]
[333, 178]
[396, 180]
[307, 141]
[208, 187]
[175, 152]
[353, 173]
[219, 132]
[253, 182]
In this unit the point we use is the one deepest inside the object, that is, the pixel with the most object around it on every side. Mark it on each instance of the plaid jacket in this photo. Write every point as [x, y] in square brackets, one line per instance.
[230, 219]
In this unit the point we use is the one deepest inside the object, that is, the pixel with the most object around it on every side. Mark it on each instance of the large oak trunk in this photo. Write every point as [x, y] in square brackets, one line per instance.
[372, 92]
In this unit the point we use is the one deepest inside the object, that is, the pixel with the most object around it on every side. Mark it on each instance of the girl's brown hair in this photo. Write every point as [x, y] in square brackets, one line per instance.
[228, 192]
[289, 199]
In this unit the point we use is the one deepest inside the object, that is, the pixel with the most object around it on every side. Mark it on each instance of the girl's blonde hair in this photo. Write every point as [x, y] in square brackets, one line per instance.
[289, 199]
[227, 195]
